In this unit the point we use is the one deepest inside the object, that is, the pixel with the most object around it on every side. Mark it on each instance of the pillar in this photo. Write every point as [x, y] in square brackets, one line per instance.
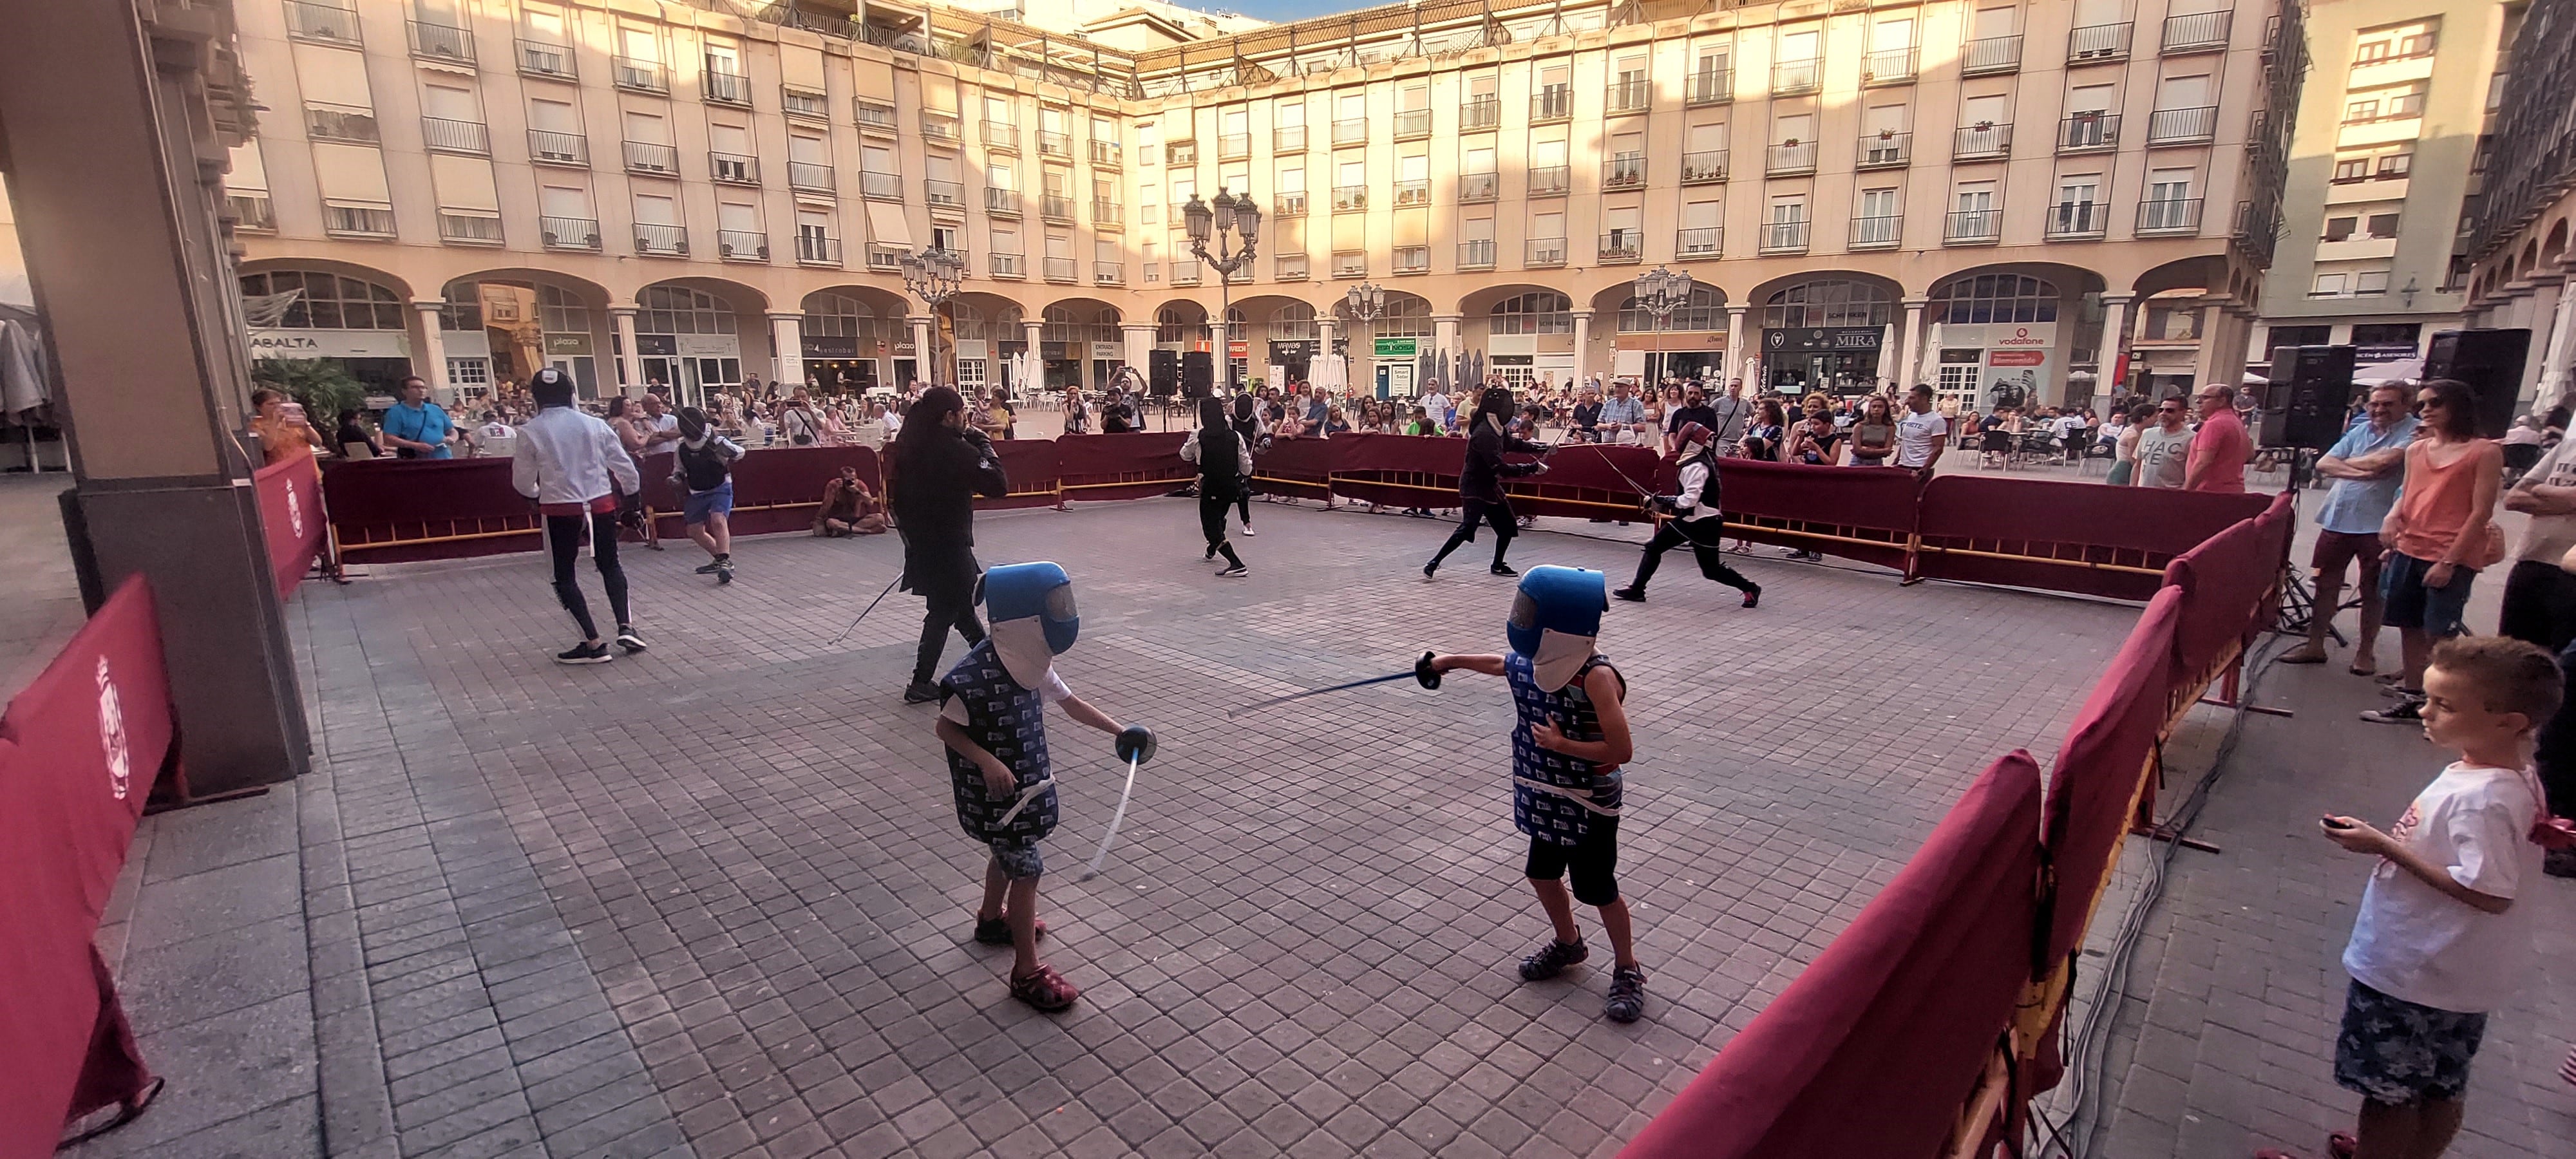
[1032, 333]
[432, 363]
[2557, 352]
[1328, 327]
[924, 362]
[2239, 336]
[2204, 362]
[118, 128]
[630, 361]
[1909, 365]
[2113, 344]
[1735, 349]
[1582, 344]
[787, 347]
[1140, 346]
[2547, 294]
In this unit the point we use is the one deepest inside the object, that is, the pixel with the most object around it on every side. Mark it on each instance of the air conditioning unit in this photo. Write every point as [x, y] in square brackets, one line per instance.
[550, 238]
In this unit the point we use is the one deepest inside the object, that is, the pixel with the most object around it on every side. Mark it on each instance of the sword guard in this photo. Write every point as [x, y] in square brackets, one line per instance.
[1136, 744]
[1424, 673]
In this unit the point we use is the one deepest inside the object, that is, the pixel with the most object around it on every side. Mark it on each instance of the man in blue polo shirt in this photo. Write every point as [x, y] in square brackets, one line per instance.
[2368, 466]
[416, 428]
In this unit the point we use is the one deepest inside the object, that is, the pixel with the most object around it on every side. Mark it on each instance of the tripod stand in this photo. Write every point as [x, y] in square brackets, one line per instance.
[2298, 590]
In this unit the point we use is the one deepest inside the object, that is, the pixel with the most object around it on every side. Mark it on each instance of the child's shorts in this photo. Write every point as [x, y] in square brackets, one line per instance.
[1019, 858]
[2393, 1051]
[1592, 863]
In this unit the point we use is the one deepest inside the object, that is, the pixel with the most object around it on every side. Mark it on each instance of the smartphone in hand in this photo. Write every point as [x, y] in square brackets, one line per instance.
[293, 412]
[2333, 822]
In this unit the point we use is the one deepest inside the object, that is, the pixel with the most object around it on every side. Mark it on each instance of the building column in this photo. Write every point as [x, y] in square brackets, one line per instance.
[1327, 327]
[922, 361]
[2548, 293]
[1735, 352]
[630, 361]
[2204, 360]
[1140, 349]
[1033, 333]
[2558, 352]
[787, 348]
[1909, 364]
[2235, 343]
[2113, 343]
[432, 363]
[1582, 343]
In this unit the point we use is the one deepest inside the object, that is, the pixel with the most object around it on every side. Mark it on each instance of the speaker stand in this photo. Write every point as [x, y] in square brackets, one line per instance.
[2298, 590]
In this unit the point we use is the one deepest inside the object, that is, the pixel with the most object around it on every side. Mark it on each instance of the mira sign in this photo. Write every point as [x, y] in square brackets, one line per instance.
[286, 343]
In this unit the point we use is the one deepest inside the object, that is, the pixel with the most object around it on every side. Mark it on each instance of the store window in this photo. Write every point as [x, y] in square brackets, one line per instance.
[1406, 316]
[680, 310]
[1534, 313]
[1993, 298]
[1828, 302]
[326, 301]
[1706, 311]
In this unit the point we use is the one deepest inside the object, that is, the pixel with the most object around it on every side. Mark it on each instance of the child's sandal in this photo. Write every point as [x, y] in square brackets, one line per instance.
[1045, 990]
[997, 931]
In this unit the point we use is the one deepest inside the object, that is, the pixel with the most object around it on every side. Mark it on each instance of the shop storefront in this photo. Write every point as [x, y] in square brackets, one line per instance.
[1651, 357]
[1292, 360]
[691, 364]
[841, 365]
[1837, 360]
[1395, 363]
[1526, 359]
[1107, 358]
[379, 358]
[1994, 365]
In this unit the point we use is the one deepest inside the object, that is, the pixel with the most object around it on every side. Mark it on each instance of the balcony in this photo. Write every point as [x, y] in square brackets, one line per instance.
[1350, 263]
[340, 123]
[569, 233]
[1477, 114]
[546, 147]
[1972, 227]
[2087, 132]
[881, 186]
[733, 169]
[469, 226]
[1054, 144]
[873, 117]
[1060, 269]
[1291, 203]
[1479, 187]
[1106, 154]
[1288, 267]
[1476, 255]
[1013, 266]
[1543, 253]
[1792, 77]
[943, 196]
[1634, 94]
[251, 211]
[1698, 244]
[2095, 43]
[1552, 103]
[1412, 124]
[440, 135]
[1790, 159]
[1108, 214]
[1885, 150]
[2168, 216]
[2182, 126]
[541, 58]
[638, 74]
[809, 177]
[1624, 171]
[1990, 55]
[942, 129]
[804, 103]
[1350, 131]
[742, 245]
[327, 23]
[1889, 66]
[1621, 247]
[1108, 273]
[1412, 259]
[723, 87]
[1186, 273]
[656, 160]
[1550, 180]
[1233, 146]
[358, 219]
[1877, 233]
[441, 42]
[666, 241]
[1349, 198]
[1981, 142]
[1413, 192]
[1181, 152]
[1002, 202]
[2077, 220]
[1001, 135]
[1710, 86]
[1706, 167]
[2196, 32]
[1288, 139]
[1056, 207]
[817, 249]
[1784, 237]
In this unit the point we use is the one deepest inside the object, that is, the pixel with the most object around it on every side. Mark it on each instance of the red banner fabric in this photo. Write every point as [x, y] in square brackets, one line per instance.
[2224, 583]
[2070, 537]
[428, 509]
[1128, 466]
[79, 751]
[1298, 468]
[774, 489]
[290, 513]
[1878, 1043]
[1398, 470]
[1862, 513]
[2101, 766]
[1585, 482]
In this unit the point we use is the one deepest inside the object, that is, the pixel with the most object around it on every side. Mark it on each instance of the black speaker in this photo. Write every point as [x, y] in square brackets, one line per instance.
[1165, 376]
[2490, 362]
[2310, 392]
[1198, 373]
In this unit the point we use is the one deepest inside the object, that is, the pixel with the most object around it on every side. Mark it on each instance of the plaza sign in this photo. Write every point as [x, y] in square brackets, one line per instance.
[299, 343]
[1399, 347]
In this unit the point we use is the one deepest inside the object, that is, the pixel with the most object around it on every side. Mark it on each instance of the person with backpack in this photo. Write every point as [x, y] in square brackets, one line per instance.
[1225, 461]
[704, 472]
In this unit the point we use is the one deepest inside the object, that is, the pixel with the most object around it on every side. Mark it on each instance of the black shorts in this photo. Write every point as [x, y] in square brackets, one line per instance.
[1593, 862]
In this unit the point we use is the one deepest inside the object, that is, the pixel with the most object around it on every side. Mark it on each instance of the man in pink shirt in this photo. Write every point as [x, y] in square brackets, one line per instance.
[2220, 448]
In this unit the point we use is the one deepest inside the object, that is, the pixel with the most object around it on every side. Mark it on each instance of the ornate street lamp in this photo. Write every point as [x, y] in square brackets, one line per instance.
[933, 275]
[1367, 303]
[1661, 292]
[1233, 225]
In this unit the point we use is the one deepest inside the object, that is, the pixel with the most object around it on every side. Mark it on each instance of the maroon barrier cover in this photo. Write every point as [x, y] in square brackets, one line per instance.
[774, 488]
[468, 504]
[2135, 527]
[1398, 470]
[290, 515]
[1862, 513]
[1588, 481]
[1030, 465]
[1877, 1044]
[2100, 765]
[79, 751]
[2224, 581]
[1128, 466]
[1298, 468]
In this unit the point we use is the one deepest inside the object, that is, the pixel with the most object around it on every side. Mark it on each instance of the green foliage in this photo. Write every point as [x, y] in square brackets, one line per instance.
[321, 385]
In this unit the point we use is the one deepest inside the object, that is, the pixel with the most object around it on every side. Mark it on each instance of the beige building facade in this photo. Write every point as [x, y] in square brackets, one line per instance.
[2014, 201]
[2522, 208]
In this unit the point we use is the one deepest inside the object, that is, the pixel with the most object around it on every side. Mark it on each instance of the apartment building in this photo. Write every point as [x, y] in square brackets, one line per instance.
[2522, 202]
[2386, 147]
[2017, 201]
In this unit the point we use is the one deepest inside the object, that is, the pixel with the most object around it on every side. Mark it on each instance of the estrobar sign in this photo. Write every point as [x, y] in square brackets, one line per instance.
[112, 743]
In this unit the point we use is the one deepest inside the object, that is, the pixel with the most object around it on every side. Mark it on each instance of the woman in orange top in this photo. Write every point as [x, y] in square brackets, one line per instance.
[2436, 537]
[283, 431]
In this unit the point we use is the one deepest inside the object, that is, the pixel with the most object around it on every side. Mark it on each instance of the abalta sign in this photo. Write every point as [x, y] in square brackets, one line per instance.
[291, 343]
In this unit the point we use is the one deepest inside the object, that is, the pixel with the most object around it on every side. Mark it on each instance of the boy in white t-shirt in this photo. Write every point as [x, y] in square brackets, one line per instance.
[2439, 941]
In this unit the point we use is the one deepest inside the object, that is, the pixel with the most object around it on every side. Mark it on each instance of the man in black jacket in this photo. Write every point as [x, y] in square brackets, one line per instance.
[1480, 484]
[941, 463]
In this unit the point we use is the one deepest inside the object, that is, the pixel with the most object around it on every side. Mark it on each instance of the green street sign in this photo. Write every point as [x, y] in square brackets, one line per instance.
[1399, 347]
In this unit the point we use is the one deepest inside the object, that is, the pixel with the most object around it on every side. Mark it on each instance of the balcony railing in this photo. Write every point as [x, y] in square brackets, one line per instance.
[2097, 42]
[1288, 204]
[1552, 103]
[742, 245]
[1711, 86]
[1350, 263]
[1412, 123]
[1185, 272]
[2077, 219]
[1108, 213]
[1002, 202]
[547, 147]
[2197, 31]
[2169, 215]
[1108, 273]
[328, 23]
[803, 103]
[1972, 227]
[344, 219]
[1181, 152]
[543, 58]
[1055, 144]
[1790, 158]
[1992, 54]
[1007, 265]
[660, 160]
[340, 123]
[1976, 142]
[441, 135]
[943, 196]
[2084, 132]
[643, 76]
[1476, 255]
[1412, 259]
[1476, 187]
[733, 168]
[1288, 139]
[469, 227]
[881, 186]
[810, 176]
[1621, 247]
[727, 88]
[1288, 267]
[2182, 126]
[1060, 269]
[1699, 244]
[1349, 197]
[1413, 192]
[1888, 66]
[1479, 113]
[442, 42]
[1790, 77]
[1885, 150]
[1350, 131]
[1233, 146]
[1879, 232]
[251, 210]
[1001, 135]
[1543, 252]
[1632, 95]
[1550, 180]
[1055, 207]
[817, 249]
[569, 233]
[1705, 167]
[661, 240]
[1106, 154]
[1784, 237]
[1624, 171]
[873, 117]
[943, 129]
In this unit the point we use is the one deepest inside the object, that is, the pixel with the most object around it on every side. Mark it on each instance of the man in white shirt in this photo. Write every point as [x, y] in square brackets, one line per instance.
[2068, 426]
[495, 437]
[575, 467]
[1921, 435]
[1435, 406]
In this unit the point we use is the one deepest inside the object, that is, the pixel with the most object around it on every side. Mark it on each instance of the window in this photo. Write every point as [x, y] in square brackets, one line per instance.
[1544, 312]
[1993, 298]
[2351, 169]
[1706, 311]
[2370, 282]
[1828, 302]
[2339, 228]
[327, 301]
[2382, 226]
[2395, 42]
[2383, 104]
[680, 310]
[2394, 165]
[829, 315]
[2328, 285]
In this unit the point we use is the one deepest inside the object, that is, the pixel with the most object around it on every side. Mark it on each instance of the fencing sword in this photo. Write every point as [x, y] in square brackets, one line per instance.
[1421, 673]
[863, 612]
[1114, 820]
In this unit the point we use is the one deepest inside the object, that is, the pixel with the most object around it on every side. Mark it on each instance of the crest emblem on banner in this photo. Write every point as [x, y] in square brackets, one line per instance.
[294, 510]
[111, 734]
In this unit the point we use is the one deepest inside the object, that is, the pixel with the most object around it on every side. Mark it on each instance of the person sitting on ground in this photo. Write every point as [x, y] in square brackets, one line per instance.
[849, 507]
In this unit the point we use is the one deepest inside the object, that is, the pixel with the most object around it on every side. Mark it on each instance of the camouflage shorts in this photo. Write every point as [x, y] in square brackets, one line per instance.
[1019, 858]
[2393, 1051]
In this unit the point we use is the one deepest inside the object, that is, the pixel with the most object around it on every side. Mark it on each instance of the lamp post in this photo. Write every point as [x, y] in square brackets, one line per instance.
[1212, 222]
[1367, 303]
[1660, 292]
[933, 275]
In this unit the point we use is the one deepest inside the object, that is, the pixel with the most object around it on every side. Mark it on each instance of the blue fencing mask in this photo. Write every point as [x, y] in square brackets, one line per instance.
[1031, 609]
[1555, 618]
